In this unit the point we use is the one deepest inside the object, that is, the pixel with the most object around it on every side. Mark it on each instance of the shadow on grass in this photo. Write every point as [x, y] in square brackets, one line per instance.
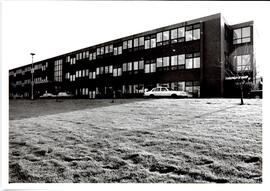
[20, 109]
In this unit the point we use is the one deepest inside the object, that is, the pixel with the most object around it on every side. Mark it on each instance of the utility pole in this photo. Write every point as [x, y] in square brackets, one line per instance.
[32, 77]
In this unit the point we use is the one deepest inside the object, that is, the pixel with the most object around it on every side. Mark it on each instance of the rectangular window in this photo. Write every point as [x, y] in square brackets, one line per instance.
[174, 34]
[124, 67]
[153, 67]
[106, 49]
[174, 60]
[147, 44]
[136, 65]
[94, 55]
[98, 51]
[181, 32]
[189, 63]
[115, 51]
[119, 71]
[153, 42]
[136, 42]
[141, 41]
[141, 65]
[125, 45]
[159, 37]
[97, 70]
[129, 43]
[241, 35]
[111, 48]
[181, 59]
[147, 68]
[196, 34]
[115, 72]
[101, 50]
[189, 36]
[166, 36]
[197, 62]
[119, 50]
[242, 63]
[110, 69]
[159, 62]
[130, 66]
[90, 56]
[106, 71]
[166, 61]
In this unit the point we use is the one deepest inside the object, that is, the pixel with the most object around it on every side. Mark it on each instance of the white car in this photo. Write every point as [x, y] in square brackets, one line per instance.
[165, 92]
[47, 95]
[64, 95]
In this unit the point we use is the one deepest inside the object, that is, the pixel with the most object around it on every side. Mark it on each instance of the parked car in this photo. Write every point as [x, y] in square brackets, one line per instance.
[64, 95]
[47, 95]
[166, 92]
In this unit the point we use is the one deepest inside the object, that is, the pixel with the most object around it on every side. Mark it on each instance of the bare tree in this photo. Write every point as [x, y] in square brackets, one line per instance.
[241, 69]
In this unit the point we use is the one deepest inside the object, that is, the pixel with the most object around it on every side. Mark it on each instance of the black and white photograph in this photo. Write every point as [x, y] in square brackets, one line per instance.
[146, 92]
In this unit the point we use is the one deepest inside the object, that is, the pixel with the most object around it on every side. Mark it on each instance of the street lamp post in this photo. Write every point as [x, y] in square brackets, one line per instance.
[32, 77]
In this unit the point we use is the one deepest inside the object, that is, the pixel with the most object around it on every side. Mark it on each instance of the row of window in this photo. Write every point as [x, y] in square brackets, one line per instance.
[183, 61]
[162, 38]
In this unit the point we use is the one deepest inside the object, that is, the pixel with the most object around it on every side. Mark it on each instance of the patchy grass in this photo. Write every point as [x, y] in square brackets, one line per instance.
[155, 140]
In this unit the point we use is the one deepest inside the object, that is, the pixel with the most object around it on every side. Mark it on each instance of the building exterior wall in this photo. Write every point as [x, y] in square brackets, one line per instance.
[79, 72]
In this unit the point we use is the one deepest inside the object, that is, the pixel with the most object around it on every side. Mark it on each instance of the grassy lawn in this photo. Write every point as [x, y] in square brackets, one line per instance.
[137, 140]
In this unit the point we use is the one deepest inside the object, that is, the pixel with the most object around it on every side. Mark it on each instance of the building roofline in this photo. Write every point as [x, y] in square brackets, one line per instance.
[149, 32]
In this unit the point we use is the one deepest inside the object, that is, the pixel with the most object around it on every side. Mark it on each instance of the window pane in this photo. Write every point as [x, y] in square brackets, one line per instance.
[197, 62]
[115, 51]
[110, 68]
[245, 32]
[174, 60]
[124, 67]
[196, 34]
[106, 49]
[136, 42]
[174, 34]
[119, 71]
[101, 50]
[115, 72]
[141, 41]
[159, 62]
[130, 44]
[141, 65]
[153, 43]
[189, 35]
[147, 44]
[120, 50]
[181, 32]
[189, 63]
[130, 66]
[236, 33]
[181, 59]
[125, 45]
[245, 39]
[166, 35]
[136, 65]
[166, 61]
[147, 68]
[153, 67]
[159, 37]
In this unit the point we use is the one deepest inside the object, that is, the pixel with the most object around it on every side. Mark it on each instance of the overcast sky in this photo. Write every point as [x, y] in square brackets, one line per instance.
[53, 28]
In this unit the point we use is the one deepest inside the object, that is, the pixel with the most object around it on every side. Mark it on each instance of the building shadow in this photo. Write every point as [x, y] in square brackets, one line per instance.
[21, 108]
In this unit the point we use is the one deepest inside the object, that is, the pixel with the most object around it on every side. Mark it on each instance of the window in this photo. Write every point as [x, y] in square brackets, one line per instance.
[174, 60]
[166, 61]
[153, 67]
[119, 50]
[147, 44]
[141, 65]
[193, 32]
[130, 66]
[136, 65]
[242, 63]
[241, 35]
[115, 52]
[130, 44]
[125, 45]
[101, 50]
[147, 68]
[153, 42]
[159, 62]
[58, 66]
[192, 61]
[136, 42]
[159, 37]
[124, 67]
[111, 48]
[106, 49]
[98, 51]
[141, 41]
[94, 55]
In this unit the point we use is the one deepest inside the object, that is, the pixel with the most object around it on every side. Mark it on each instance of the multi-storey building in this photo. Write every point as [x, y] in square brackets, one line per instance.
[194, 56]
